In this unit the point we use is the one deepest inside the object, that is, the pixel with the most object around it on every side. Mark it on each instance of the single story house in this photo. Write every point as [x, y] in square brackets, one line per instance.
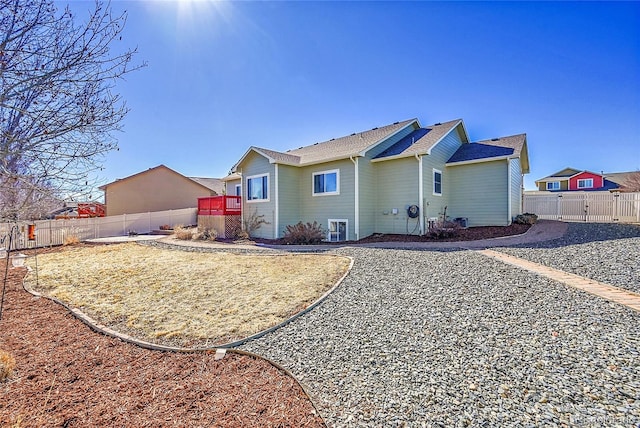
[157, 189]
[390, 179]
[571, 179]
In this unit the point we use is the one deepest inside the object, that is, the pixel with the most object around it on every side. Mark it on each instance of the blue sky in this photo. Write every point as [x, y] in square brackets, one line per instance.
[224, 76]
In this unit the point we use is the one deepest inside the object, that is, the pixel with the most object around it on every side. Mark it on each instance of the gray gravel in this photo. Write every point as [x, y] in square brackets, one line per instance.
[608, 253]
[453, 339]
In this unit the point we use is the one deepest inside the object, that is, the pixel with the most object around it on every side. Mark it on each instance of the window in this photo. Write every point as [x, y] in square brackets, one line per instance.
[238, 190]
[585, 183]
[437, 182]
[553, 185]
[258, 188]
[338, 230]
[326, 182]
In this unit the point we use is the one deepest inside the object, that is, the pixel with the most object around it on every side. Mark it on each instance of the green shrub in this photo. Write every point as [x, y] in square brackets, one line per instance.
[303, 233]
[526, 218]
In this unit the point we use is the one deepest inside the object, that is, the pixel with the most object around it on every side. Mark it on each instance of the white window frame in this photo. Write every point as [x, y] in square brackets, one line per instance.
[589, 180]
[313, 180]
[253, 177]
[437, 171]
[553, 185]
[238, 190]
[338, 220]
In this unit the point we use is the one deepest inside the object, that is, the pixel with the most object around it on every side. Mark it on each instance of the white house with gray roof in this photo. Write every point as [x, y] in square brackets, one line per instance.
[390, 179]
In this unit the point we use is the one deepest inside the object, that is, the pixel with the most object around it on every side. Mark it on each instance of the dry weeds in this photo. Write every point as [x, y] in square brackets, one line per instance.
[185, 298]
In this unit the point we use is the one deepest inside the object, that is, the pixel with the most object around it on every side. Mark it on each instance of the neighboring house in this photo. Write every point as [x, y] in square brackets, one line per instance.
[157, 189]
[391, 179]
[571, 179]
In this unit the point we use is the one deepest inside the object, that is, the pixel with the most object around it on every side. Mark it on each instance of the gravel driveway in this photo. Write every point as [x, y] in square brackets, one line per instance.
[452, 338]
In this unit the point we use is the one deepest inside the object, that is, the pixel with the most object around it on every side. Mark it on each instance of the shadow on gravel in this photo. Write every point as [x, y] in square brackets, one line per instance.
[583, 233]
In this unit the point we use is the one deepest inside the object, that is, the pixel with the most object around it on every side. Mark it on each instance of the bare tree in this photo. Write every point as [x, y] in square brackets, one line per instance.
[631, 183]
[58, 111]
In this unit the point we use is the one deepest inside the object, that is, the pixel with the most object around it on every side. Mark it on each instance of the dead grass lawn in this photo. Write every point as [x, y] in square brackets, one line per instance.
[185, 298]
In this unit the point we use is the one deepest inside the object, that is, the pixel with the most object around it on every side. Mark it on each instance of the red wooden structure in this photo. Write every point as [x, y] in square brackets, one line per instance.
[220, 205]
[91, 209]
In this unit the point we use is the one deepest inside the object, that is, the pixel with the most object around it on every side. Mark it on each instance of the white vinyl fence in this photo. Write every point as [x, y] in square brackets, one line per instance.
[596, 207]
[55, 232]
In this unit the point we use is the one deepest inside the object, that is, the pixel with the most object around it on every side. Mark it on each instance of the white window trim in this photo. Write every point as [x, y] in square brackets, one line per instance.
[331, 171]
[236, 187]
[267, 199]
[583, 180]
[556, 185]
[338, 220]
[433, 177]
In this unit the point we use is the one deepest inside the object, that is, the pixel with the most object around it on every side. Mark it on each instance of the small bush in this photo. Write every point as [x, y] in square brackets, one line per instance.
[253, 221]
[7, 364]
[526, 218]
[443, 230]
[165, 227]
[301, 233]
[242, 235]
[183, 233]
[206, 235]
[71, 240]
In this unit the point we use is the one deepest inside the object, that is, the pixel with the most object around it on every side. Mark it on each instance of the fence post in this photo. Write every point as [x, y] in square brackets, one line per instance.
[124, 224]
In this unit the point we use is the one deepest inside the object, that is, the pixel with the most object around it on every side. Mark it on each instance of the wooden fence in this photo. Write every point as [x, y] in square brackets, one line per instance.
[56, 232]
[600, 207]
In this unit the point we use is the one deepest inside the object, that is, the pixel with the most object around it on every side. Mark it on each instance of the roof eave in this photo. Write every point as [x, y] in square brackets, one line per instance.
[481, 160]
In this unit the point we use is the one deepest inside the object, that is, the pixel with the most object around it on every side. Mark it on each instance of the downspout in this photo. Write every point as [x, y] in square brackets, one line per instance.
[276, 213]
[420, 192]
[356, 226]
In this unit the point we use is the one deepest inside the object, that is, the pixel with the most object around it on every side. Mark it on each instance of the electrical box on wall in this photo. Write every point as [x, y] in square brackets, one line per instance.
[394, 211]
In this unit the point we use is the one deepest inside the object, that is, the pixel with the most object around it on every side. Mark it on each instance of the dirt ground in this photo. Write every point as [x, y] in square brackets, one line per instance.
[69, 376]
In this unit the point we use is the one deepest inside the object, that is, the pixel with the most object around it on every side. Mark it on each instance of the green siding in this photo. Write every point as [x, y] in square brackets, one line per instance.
[433, 204]
[230, 187]
[516, 188]
[479, 191]
[289, 198]
[254, 164]
[322, 208]
[397, 187]
[368, 196]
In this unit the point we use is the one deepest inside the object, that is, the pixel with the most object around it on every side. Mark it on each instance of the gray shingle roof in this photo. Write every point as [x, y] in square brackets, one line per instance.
[420, 141]
[485, 149]
[215, 184]
[344, 147]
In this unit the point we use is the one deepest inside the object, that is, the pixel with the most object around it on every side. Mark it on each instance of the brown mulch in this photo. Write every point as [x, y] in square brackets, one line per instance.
[69, 376]
[468, 234]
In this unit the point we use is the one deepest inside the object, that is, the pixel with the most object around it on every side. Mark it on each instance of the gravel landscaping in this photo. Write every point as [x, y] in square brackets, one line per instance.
[435, 338]
[605, 252]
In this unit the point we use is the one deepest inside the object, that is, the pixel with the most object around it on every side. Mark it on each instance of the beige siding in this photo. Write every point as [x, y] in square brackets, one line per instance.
[288, 200]
[158, 189]
[255, 164]
[516, 188]
[322, 208]
[397, 188]
[479, 191]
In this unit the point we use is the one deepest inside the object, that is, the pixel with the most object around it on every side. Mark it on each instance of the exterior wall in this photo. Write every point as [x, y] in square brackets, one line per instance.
[397, 188]
[230, 187]
[255, 164]
[154, 190]
[516, 187]
[368, 184]
[564, 185]
[288, 200]
[440, 154]
[479, 191]
[598, 181]
[321, 208]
